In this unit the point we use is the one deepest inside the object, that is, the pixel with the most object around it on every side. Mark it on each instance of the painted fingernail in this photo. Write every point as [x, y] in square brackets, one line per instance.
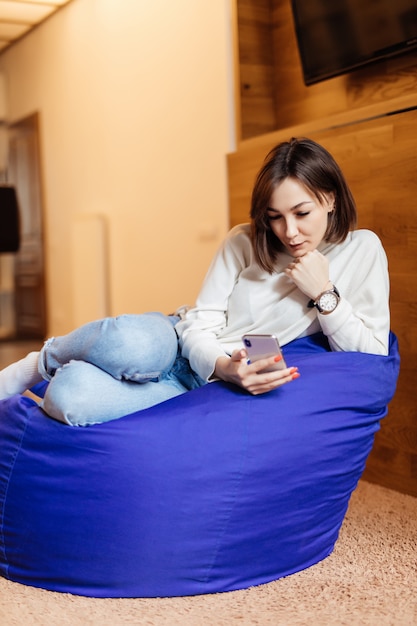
[295, 375]
[278, 358]
[293, 369]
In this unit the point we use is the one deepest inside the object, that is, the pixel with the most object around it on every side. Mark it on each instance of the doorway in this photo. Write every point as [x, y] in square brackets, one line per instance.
[29, 268]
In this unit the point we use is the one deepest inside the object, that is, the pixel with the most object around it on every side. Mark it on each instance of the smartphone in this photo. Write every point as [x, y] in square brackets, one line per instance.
[261, 347]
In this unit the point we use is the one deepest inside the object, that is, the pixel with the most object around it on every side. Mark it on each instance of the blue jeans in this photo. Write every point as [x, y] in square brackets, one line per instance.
[112, 367]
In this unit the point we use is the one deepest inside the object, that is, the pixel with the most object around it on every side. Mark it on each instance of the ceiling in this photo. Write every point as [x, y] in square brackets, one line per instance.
[18, 17]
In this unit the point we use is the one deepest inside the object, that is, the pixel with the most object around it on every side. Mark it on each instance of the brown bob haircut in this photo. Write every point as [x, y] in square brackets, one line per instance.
[315, 168]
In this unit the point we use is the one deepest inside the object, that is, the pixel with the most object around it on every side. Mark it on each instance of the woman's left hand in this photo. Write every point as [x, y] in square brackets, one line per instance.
[310, 273]
[251, 376]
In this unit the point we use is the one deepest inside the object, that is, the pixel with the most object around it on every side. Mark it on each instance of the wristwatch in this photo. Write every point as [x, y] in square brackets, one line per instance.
[327, 301]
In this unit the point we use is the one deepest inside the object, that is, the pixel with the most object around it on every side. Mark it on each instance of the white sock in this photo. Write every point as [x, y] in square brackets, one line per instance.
[19, 376]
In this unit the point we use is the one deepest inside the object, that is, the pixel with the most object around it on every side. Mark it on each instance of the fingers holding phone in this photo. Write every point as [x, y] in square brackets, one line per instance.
[259, 366]
[266, 364]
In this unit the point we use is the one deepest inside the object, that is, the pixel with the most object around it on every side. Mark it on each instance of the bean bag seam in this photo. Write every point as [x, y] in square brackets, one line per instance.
[238, 482]
[4, 500]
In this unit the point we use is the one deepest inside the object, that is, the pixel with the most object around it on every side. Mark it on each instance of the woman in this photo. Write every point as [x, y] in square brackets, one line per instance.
[276, 275]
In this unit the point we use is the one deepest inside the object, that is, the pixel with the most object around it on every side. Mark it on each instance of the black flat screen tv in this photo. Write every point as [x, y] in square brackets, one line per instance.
[9, 220]
[337, 36]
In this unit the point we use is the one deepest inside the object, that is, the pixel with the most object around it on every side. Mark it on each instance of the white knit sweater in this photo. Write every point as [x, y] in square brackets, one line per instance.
[239, 297]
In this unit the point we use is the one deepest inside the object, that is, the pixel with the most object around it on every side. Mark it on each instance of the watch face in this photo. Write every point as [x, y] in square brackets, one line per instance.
[328, 302]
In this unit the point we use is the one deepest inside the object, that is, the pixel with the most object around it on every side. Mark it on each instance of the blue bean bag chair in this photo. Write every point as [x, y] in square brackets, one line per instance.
[211, 491]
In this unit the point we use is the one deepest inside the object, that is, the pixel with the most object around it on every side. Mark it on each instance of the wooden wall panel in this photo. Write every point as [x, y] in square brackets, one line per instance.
[379, 158]
[256, 68]
[380, 161]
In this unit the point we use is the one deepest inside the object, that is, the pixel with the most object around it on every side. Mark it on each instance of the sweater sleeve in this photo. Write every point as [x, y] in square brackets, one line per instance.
[361, 322]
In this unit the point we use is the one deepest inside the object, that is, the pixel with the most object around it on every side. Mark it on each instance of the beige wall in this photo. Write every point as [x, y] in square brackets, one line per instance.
[134, 100]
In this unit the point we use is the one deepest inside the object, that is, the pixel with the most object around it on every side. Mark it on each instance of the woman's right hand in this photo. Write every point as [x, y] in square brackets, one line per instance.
[235, 369]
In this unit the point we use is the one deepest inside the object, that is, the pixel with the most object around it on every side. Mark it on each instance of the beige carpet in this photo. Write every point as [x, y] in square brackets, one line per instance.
[369, 580]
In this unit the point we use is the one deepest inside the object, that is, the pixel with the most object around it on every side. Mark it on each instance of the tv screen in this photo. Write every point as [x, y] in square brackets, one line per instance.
[9, 220]
[337, 36]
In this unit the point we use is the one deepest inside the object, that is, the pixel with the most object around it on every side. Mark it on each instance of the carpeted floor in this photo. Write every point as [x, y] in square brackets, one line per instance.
[369, 580]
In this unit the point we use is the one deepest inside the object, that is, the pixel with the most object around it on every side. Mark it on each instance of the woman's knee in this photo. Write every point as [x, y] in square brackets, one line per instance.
[147, 345]
[68, 395]
[81, 394]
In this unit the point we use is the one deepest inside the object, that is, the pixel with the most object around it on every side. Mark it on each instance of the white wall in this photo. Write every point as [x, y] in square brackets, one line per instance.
[134, 102]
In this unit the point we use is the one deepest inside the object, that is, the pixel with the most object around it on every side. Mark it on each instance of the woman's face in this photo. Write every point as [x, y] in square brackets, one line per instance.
[297, 218]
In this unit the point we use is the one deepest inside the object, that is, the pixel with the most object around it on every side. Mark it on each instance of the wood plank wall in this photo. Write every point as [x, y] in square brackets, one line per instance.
[256, 68]
[375, 141]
